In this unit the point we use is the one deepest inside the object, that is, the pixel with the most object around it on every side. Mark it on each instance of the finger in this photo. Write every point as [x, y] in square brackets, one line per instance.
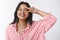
[34, 7]
[28, 9]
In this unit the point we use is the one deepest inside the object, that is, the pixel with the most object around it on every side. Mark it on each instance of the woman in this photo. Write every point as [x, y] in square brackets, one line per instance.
[24, 28]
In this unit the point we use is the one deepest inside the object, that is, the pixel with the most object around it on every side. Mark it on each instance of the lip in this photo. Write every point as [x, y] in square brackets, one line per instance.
[22, 15]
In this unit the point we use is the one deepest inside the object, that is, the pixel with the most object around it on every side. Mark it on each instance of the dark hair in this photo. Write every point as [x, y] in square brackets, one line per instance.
[29, 19]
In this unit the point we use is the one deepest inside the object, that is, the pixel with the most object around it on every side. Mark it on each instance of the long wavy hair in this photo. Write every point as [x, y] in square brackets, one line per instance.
[16, 19]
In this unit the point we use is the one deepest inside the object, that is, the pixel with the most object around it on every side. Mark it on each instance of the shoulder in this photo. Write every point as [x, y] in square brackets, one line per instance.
[10, 26]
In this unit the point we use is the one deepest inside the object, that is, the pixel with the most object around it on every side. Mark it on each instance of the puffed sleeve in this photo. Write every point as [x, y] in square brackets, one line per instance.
[49, 21]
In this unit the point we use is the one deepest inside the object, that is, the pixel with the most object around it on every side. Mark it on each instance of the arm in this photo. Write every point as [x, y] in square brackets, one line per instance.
[49, 19]
[39, 12]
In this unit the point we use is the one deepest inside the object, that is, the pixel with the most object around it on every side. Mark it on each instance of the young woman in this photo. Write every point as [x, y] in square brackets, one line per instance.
[24, 28]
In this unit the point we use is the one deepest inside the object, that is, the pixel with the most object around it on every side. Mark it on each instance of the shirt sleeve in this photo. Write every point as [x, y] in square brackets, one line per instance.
[49, 21]
[7, 34]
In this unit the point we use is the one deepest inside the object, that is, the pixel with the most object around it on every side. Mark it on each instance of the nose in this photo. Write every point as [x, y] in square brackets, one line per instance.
[22, 11]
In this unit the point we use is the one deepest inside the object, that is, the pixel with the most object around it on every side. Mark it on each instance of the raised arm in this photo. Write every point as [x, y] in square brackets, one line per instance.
[49, 19]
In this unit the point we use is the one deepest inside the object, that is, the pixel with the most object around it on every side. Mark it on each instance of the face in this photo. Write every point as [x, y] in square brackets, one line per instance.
[23, 12]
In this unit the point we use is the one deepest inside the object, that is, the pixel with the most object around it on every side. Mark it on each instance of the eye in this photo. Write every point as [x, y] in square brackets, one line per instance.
[26, 9]
[20, 9]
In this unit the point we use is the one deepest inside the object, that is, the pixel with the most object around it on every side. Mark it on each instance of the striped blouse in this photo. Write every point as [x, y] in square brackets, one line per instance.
[36, 31]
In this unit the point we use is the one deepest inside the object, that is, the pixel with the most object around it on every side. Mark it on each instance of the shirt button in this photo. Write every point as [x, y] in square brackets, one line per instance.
[21, 38]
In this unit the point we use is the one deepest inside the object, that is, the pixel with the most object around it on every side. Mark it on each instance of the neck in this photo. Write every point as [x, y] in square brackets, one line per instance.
[22, 23]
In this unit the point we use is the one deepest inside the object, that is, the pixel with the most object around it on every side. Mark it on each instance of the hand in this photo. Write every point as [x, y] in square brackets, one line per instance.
[32, 10]
[36, 11]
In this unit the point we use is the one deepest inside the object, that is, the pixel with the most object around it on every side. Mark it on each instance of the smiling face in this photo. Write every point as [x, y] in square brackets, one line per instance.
[23, 12]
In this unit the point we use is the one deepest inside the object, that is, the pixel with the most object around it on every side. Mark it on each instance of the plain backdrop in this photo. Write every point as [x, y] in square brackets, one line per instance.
[7, 8]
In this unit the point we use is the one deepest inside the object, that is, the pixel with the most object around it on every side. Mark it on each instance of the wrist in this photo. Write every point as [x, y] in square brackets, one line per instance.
[38, 11]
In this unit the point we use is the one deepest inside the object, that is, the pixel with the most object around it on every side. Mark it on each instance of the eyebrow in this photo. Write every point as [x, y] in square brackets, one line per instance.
[25, 8]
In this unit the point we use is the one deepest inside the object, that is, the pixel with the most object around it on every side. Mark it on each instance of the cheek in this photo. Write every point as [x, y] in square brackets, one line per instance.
[18, 13]
[27, 14]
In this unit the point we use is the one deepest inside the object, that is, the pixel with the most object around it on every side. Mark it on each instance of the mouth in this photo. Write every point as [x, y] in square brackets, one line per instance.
[22, 15]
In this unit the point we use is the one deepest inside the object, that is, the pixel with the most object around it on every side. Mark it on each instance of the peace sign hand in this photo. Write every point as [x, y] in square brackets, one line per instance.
[32, 10]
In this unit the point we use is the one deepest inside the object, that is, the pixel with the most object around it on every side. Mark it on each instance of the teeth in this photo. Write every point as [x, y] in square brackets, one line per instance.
[22, 15]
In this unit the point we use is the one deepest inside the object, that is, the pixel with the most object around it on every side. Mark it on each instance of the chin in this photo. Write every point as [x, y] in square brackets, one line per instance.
[22, 17]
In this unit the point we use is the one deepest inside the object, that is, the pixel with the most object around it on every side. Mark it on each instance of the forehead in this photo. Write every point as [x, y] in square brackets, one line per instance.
[23, 6]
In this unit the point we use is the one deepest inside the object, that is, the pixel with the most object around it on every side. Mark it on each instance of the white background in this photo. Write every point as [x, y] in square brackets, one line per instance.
[7, 8]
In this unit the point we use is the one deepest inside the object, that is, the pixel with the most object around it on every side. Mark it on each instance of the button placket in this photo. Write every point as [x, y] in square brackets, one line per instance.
[21, 37]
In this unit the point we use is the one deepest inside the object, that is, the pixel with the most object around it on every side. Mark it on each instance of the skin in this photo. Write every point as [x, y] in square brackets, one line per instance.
[23, 14]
